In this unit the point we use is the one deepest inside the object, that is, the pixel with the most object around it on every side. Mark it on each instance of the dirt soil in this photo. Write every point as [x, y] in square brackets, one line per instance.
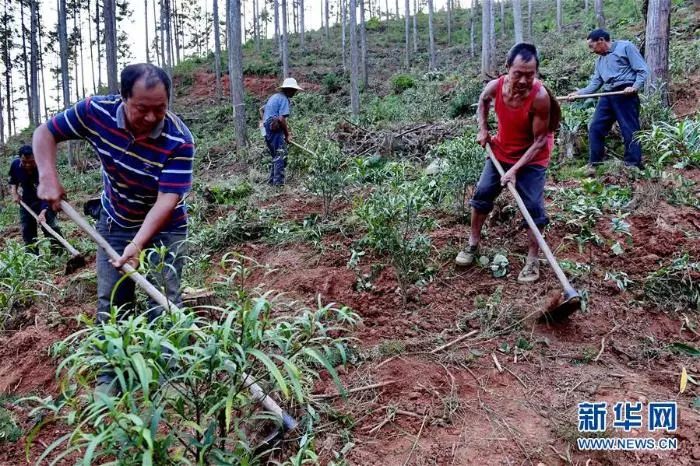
[455, 407]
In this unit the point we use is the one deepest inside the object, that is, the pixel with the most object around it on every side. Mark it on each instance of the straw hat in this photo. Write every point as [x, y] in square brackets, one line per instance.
[291, 83]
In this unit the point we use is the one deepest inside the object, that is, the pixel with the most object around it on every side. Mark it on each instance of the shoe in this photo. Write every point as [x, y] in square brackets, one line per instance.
[531, 272]
[466, 256]
[590, 170]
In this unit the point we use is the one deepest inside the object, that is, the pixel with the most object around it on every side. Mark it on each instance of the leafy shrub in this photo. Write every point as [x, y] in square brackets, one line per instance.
[673, 142]
[310, 104]
[9, 432]
[573, 128]
[374, 24]
[675, 286]
[183, 397]
[654, 110]
[401, 82]
[226, 193]
[245, 224]
[463, 104]
[388, 109]
[260, 68]
[23, 278]
[326, 176]
[332, 83]
[397, 229]
[463, 161]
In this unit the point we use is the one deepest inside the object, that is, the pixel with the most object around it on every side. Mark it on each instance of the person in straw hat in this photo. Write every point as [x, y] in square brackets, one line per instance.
[276, 129]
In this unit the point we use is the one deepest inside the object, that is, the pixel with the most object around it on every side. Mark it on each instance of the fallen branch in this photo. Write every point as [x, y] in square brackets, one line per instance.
[355, 390]
[416, 441]
[602, 348]
[498, 364]
[519, 379]
[454, 342]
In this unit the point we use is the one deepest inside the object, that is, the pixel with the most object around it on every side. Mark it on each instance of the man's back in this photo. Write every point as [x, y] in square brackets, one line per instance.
[277, 105]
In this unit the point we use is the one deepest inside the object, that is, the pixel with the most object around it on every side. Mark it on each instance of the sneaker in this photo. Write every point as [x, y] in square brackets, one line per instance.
[466, 256]
[531, 272]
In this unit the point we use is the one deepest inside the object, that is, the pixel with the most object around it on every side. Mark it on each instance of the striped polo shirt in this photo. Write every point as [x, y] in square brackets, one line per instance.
[134, 170]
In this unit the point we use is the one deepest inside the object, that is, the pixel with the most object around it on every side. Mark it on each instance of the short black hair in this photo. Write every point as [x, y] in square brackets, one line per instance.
[153, 75]
[525, 51]
[598, 34]
[26, 151]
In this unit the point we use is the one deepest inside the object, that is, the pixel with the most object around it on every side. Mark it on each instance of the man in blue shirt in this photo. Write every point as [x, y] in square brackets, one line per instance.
[23, 180]
[277, 133]
[620, 67]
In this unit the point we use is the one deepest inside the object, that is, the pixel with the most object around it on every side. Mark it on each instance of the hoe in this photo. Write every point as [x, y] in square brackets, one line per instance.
[569, 301]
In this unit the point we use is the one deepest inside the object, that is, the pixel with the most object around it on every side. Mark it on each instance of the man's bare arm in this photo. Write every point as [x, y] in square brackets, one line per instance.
[45, 149]
[482, 112]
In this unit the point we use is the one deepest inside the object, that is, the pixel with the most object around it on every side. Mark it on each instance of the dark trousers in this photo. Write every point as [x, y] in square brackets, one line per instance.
[278, 150]
[165, 272]
[530, 185]
[30, 228]
[625, 110]
[115, 290]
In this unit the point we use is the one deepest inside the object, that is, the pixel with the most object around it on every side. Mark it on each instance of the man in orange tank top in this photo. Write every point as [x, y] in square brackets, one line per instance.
[527, 116]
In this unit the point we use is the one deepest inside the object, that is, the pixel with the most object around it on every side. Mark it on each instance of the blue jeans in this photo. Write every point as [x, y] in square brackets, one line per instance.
[30, 228]
[529, 182]
[625, 110]
[166, 278]
[278, 150]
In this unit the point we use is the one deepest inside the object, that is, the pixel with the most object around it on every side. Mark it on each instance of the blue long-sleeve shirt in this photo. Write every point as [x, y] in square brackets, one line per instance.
[622, 66]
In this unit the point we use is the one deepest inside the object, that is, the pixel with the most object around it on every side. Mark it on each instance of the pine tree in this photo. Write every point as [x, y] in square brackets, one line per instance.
[217, 52]
[110, 28]
[517, 21]
[235, 67]
[431, 36]
[656, 46]
[354, 61]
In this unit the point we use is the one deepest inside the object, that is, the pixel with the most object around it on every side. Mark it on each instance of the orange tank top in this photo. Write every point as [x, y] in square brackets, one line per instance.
[514, 136]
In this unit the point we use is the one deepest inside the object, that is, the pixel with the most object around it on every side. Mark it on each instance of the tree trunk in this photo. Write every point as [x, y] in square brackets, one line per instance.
[301, 24]
[415, 26]
[472, 35]
[34, 64]
[217, 52]
[492, 37]
[343, 5]
[328, 24]
[75, 53]
[386, 5]
[92, 54]
[285, 41]
[256, 25]
[354, 61]
[599, 15]
[82, 57]
[656, 45]
[98, 43]
[41, 68]
[235, 67]
[2, 119]
[176, 30]
[398, 12]
[431, 37]
[486, 38]
[449, 22]
[363, 46]
[8, 80]
[558, 15]
[517, 22]
[148, 45]
[161, 30]
[278, 36]
[110, 19]
[25, 60]
[63, 51]
[503, 18]
[407, 11]
[529, 21]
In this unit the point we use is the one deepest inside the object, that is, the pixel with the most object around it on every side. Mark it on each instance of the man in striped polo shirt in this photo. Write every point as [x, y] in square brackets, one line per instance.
[147, 154]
